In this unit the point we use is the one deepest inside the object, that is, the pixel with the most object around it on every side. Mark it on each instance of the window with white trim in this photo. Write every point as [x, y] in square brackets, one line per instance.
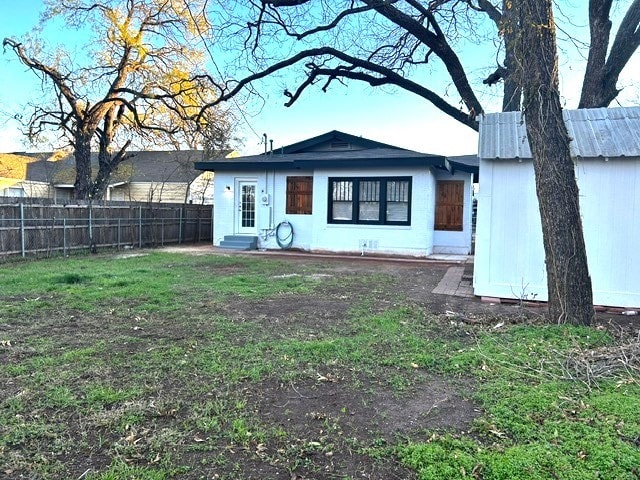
[370, 200]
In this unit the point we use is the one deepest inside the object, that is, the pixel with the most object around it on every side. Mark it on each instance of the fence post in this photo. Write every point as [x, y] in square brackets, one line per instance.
[118, 235]
[64, 237]
[212, 239]
[51, 236]
[180, 227]
[22, 250]
[90, 228]
[198, 228]
[162, 231]
[140, 226]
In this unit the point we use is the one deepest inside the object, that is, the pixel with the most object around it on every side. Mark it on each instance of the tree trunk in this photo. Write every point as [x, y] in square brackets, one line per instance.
[101, 183]
[593, 85]
[568, 280]
[82, 155]
[602, 73]
[108, 163]
[512, 92]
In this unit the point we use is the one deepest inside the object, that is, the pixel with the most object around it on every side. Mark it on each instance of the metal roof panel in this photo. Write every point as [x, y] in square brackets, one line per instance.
[594, 132]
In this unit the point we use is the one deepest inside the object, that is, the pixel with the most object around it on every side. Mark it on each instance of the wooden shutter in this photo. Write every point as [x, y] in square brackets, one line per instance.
[449, 205]
[299, 195]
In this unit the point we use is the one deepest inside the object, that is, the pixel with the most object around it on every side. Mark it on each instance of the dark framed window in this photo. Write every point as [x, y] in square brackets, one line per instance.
[449, 205]
[299, 195]
[370, 200]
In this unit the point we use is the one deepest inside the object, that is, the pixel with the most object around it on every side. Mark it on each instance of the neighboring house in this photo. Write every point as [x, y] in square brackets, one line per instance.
[509, 256]
[17, 178]
[147, 176]
[342, 193]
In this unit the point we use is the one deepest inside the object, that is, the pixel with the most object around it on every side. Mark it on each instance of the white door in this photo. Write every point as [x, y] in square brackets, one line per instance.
[246, 206]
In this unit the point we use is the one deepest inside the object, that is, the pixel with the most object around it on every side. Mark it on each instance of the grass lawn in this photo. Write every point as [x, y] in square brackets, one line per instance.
[168, 365]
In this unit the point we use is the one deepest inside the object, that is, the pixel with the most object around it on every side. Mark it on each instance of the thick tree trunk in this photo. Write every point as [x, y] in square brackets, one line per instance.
[107, 164]
[82, 154]
[101, 182]
[568, 280]
[512, 93]
[601, 75]
[594, 83]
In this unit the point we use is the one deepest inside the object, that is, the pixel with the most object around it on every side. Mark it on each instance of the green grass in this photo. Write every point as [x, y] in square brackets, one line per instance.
[538, 422]
[155, 367]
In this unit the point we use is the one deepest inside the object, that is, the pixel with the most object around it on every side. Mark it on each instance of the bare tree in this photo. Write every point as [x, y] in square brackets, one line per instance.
[142, 78]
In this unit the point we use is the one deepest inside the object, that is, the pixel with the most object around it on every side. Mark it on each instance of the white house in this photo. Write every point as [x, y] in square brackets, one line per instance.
[342, 193]
[509, 255]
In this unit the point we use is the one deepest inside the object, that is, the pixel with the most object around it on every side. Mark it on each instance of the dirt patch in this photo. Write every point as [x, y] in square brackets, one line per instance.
[366, 413]
[331, 420]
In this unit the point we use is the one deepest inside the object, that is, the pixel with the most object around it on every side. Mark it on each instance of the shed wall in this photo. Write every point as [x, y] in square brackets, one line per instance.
[509, 261]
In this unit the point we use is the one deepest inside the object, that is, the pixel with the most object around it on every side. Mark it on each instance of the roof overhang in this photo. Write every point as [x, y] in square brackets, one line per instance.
[280, 162]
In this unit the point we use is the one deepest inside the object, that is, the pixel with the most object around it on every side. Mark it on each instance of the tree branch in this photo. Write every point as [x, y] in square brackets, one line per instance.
[56, 77]
[386, 77]
[436, 42]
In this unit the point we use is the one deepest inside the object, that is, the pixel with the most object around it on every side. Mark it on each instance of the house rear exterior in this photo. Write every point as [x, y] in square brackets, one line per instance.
[509, 259]
[342, 193]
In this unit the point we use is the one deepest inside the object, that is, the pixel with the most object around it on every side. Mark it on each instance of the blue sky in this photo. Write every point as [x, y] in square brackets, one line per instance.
[397, 118]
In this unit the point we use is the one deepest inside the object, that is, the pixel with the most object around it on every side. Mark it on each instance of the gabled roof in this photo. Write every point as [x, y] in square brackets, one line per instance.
[334, 136]
[595, 132]
[318, 152]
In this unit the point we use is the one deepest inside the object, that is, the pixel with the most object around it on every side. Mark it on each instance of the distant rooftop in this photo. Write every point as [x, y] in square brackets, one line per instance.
[143, 166]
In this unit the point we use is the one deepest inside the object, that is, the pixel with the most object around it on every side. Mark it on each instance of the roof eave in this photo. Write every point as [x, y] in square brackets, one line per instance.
[226, 166]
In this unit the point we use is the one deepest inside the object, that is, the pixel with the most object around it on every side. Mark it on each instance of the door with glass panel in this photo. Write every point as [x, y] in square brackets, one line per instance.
[246, 206]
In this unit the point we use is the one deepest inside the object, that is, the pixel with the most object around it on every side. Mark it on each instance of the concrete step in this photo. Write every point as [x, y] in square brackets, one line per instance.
[239, 242]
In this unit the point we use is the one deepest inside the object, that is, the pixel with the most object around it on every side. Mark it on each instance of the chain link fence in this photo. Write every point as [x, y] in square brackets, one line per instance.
[38, 229]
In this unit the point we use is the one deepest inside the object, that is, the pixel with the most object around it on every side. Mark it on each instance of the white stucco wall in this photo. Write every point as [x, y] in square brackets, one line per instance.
[275, 185]
[267, 216]
[414, 240]
[314, 233]
[458, 243]
[224, 215]
[509, 259]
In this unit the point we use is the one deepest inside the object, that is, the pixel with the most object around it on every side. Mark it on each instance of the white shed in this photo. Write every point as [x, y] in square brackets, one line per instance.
[342, 193]
[509, 261]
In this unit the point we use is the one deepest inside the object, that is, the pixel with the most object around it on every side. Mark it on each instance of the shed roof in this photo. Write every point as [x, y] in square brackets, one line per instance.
[594, 132]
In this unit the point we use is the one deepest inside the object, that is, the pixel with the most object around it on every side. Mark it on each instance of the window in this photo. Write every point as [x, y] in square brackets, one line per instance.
[299, 195]
[14, 192]
[449, 205]
[375, 200]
